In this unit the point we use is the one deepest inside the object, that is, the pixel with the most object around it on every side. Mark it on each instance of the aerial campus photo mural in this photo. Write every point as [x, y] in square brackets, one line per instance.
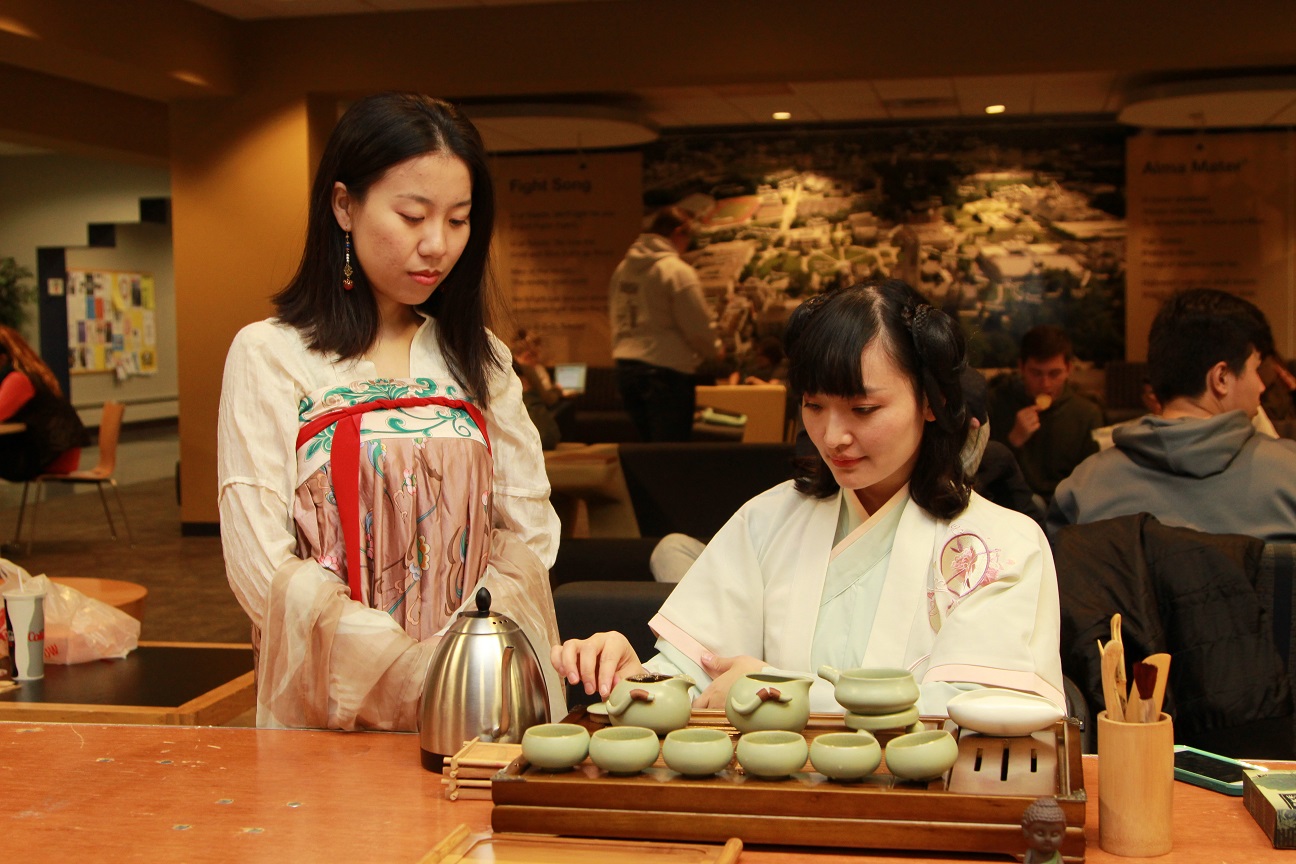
[1004, 228]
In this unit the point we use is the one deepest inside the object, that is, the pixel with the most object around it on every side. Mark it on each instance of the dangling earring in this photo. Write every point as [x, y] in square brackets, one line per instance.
[347, 284]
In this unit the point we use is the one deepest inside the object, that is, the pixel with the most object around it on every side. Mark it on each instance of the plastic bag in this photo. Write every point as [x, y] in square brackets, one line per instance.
[78, 628]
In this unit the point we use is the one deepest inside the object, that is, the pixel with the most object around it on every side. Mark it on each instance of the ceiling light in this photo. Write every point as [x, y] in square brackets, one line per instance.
[995, 109]
[782, 115]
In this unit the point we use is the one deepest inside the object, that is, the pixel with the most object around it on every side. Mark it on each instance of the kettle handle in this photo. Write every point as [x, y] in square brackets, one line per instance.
[502, 726]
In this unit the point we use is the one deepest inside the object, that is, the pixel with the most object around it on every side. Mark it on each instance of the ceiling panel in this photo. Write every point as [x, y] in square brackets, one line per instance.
[904, 98]
[1286, 116]
[1076, 93]
[760, 108]
[841, 100]
[689, 106]
[249, 10]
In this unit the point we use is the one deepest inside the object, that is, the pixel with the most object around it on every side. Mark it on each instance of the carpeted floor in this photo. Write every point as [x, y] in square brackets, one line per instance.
[188, 600]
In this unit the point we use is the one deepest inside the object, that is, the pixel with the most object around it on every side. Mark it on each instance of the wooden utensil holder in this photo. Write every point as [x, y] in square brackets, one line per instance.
[1135, 786]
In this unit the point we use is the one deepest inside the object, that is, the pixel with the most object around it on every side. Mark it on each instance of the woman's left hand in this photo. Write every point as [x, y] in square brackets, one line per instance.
[724, 671]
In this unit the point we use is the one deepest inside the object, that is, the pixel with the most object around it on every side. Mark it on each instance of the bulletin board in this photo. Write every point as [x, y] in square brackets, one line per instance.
[111, 322]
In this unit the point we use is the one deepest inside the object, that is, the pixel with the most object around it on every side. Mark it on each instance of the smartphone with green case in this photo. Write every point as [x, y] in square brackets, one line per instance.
[1210, 770]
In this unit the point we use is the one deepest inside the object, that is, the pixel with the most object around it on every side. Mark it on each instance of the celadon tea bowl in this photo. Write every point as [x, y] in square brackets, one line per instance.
[624, 749]
[555, 746]
[772, 754]
[872, 691]
[921, 755]
[697, 752]
[845, 755]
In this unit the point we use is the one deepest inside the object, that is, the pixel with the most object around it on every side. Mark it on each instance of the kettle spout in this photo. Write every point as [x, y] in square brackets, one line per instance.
[504, 725]
[828, 673]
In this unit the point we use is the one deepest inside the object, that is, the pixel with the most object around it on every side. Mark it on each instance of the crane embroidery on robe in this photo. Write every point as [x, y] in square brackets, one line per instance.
[966, 563]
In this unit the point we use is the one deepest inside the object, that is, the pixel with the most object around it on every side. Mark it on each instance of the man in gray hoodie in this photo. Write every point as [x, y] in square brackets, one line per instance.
[661, 329]
[1200, 464]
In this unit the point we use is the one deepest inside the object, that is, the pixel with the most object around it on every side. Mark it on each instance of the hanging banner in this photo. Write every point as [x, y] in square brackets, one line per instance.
[564, 223]
[1211, 211]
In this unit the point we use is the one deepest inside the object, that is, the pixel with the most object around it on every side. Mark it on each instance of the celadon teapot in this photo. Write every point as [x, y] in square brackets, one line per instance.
[660, 702]
[768, 701]
[485, 681]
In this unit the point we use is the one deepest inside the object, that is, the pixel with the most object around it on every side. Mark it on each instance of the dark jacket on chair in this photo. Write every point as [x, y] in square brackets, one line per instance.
[1194, 596]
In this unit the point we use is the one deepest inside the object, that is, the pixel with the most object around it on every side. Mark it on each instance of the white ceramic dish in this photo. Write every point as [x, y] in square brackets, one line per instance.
[992, 711]
[599, 709]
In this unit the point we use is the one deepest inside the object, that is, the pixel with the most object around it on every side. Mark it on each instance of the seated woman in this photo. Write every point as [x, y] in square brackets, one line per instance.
[31, 395]
[878, 553]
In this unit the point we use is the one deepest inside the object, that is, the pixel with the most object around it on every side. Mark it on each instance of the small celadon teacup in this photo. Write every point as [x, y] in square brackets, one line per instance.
[772, 754]
[697, 752]
[555, 746]
[845, 755]
[921, 755]
[624, 749]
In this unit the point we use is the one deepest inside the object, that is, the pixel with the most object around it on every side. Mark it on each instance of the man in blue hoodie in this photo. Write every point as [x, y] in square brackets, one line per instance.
[1200, 464]
[661, 329]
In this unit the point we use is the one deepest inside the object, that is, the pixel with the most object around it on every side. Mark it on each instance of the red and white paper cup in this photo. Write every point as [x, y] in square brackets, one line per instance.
[25, 610]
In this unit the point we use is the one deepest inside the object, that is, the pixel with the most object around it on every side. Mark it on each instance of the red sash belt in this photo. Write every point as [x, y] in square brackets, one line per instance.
[344, 462]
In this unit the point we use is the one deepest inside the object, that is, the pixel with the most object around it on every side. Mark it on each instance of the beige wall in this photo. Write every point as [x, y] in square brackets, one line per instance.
[240, 179]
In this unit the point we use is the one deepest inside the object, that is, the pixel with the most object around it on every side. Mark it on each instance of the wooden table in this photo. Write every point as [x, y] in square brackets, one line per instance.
[126, 596]
[147, 793]
[170, 683]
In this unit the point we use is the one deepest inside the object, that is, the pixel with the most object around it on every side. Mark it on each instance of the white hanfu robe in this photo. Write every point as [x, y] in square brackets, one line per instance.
[972, 600]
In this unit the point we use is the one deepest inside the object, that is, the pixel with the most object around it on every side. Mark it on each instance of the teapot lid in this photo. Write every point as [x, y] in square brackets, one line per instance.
[482, 620]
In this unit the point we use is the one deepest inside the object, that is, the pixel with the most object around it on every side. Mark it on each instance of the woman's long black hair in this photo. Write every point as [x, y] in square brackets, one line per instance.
[826, 336]
[373, 135]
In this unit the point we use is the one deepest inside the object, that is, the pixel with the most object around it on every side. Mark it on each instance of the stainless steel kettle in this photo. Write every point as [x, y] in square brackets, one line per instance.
[484, 682]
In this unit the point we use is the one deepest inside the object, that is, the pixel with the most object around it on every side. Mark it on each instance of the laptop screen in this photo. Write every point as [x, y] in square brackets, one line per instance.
[570, 377]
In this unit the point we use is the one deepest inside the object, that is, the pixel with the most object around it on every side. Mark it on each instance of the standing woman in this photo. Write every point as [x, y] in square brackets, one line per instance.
[878, 553]
[376, 462]
[31, 395]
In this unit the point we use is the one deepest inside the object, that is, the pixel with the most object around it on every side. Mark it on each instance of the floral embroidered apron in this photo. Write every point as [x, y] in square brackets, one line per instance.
[394, 495]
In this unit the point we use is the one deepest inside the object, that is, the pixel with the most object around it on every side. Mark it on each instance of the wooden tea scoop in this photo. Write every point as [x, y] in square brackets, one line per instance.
[1122, 683]
[1111, 692]
[1162, 664]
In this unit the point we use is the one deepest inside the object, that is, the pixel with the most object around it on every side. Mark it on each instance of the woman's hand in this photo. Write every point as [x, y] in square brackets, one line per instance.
[597, 662]
[724, 671]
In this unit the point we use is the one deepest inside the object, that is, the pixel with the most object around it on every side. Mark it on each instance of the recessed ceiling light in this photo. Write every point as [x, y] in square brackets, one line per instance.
[995, 109]
[782, 115]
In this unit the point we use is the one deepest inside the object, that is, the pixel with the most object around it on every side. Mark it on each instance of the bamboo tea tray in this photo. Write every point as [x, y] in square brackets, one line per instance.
[461, 846]
[975, 808]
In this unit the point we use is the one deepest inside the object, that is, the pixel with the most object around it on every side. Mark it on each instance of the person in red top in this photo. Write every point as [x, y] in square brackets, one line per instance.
[31, 395]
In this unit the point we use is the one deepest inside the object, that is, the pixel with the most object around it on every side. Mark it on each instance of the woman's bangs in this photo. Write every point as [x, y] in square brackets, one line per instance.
[826, 358]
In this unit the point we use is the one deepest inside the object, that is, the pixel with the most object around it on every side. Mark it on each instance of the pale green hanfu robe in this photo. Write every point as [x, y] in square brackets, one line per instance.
[852, 593]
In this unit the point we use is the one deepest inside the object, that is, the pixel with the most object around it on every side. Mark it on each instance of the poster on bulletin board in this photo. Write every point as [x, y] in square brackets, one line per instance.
[111, 323]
